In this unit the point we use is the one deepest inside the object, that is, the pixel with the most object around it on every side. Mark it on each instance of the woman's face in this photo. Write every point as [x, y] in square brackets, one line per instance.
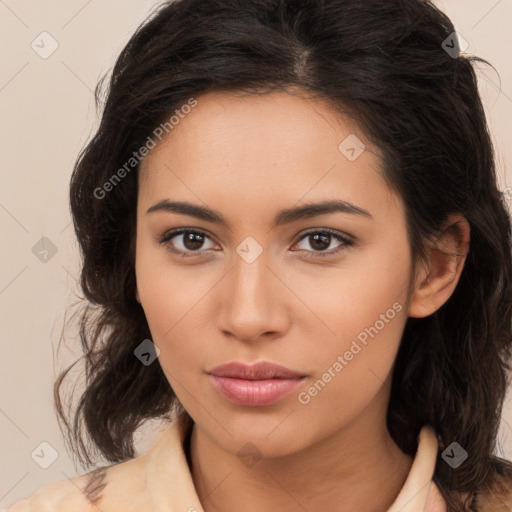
[253, 287]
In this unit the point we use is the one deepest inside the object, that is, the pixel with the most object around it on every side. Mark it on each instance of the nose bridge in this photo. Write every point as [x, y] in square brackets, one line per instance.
[251, 302]
[249, 282]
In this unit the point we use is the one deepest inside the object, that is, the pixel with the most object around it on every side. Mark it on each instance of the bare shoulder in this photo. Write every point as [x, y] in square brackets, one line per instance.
[103, 487]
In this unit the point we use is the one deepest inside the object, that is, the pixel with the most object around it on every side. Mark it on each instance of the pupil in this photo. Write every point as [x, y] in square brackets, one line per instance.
[323, 239]
[192, 241]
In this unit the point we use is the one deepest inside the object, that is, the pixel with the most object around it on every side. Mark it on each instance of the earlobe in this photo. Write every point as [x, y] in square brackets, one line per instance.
[137, 295]
[446, 257]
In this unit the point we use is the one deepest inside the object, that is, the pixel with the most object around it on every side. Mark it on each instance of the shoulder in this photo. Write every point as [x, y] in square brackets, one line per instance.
[55, 496]
[101, 487]
[141, 483]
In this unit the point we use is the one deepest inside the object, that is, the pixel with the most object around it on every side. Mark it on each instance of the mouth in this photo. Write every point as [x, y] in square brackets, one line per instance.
[255, 385]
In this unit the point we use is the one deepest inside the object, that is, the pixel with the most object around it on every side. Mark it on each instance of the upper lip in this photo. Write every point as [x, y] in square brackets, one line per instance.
[258, 371]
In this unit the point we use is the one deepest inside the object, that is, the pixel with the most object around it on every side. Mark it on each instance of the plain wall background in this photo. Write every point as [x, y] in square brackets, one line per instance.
[48, 114]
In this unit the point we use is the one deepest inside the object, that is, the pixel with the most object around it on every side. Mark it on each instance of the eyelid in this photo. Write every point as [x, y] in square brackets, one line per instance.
[168, 235]
[347, 241]
[344, 237]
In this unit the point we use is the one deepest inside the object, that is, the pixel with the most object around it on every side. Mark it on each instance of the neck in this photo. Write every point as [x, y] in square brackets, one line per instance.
[358, 467]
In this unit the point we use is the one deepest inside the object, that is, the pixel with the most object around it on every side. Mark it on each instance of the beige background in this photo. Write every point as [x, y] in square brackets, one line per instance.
[48, 114]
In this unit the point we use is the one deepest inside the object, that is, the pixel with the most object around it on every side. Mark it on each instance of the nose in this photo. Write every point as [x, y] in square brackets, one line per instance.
[253, 302]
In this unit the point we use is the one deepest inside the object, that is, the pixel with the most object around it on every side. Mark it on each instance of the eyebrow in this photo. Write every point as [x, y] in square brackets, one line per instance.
[285, 216]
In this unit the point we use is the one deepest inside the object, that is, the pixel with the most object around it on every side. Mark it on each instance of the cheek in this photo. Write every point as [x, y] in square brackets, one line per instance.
[346, 298]
[165, 290]
[361, 313]
[173, 302]
[352, 368]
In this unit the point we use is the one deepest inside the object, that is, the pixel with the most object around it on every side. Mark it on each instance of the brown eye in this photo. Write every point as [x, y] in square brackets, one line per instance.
[185, 242]
[193, 241]
[319, 241]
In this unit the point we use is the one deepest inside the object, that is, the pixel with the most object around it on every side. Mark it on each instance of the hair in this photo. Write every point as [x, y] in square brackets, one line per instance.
[381, 62]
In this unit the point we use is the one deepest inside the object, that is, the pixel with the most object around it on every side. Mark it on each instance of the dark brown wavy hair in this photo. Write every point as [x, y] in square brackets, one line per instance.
[384, 62]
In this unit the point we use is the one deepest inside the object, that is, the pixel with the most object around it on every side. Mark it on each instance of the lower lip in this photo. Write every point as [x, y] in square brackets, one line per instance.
[254, 392]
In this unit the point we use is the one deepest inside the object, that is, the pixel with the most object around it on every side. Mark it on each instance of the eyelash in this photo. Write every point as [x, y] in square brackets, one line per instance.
[347, 242]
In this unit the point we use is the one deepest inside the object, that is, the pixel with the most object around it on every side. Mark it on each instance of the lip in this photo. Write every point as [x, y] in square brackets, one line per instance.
[254, 385]
[259, 371]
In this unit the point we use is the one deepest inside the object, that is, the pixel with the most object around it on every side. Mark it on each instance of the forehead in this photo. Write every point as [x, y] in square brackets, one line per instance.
[278, 121]
[268, 147]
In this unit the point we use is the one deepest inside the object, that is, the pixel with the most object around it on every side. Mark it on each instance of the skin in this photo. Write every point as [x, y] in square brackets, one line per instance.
[248, 157]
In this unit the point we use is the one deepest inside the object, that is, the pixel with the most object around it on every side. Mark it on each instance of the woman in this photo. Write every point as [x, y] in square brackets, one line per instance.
[296, 253]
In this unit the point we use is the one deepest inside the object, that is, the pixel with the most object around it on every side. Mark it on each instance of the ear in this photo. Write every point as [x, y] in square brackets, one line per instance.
[137, 294]
[446, 257]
